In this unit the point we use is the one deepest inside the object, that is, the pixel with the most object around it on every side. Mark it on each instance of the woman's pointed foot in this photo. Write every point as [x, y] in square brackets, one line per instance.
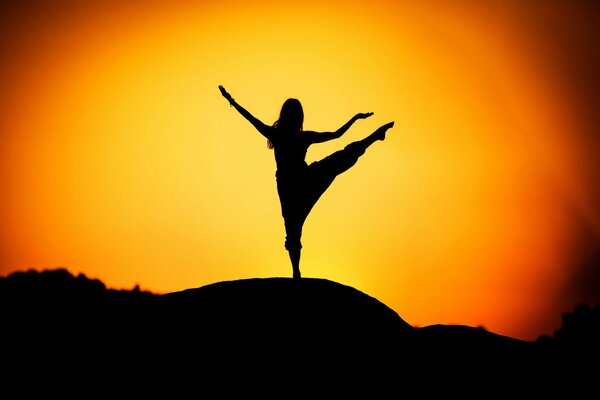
[379, 134]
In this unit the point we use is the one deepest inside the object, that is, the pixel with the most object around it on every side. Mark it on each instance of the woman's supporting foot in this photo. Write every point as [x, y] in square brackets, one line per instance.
[295, 259]
[379, 134]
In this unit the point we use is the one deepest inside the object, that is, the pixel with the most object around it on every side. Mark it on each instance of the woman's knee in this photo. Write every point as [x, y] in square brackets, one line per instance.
[356, 149]
[292, 244]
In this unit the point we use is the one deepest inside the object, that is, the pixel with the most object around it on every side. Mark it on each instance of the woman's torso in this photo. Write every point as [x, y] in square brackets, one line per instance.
[290, 151]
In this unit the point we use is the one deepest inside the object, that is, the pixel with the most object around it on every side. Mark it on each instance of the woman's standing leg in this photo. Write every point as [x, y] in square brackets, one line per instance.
[294, 253]
[292, 198]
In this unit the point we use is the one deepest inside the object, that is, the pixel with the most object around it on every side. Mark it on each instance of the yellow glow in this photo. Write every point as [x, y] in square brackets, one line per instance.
[124, 162]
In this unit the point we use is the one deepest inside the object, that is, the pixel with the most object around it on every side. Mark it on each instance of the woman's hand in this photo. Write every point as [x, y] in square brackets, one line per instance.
[225, 94]
[363, 115]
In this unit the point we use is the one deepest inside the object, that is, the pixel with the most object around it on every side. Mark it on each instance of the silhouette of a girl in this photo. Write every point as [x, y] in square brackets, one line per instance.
[299, 184]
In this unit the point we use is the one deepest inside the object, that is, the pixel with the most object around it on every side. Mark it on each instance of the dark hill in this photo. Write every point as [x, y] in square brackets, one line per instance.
[267, 326]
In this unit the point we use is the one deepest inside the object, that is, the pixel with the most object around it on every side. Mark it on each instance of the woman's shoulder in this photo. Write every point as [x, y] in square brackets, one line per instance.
[309, 134]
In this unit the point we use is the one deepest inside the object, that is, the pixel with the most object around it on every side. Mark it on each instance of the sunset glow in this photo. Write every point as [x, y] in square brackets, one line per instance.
[121, 160]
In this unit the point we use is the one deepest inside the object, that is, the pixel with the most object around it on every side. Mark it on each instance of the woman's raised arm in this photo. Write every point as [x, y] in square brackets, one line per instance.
[325, 136]
[258, 124]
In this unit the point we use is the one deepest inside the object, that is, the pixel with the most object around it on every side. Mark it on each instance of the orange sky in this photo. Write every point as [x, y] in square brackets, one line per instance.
[121, 160]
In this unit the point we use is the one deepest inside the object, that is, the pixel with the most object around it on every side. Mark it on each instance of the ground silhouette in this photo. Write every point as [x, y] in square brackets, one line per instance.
[296, 329]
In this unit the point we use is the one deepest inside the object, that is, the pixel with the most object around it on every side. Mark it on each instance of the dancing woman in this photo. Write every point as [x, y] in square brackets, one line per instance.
[299, 184]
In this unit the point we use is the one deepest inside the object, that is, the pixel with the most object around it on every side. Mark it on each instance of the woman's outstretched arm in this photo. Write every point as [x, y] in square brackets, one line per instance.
[325, 136]
[258, 124]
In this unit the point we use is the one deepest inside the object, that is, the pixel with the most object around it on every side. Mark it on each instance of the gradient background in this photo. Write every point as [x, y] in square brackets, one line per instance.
[119, 158]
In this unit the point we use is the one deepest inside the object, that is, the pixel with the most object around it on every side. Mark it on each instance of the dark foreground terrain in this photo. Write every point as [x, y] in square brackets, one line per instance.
[309, 333]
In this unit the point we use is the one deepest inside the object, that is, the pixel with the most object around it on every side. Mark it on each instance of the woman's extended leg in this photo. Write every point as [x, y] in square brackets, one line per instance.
[379, 134]
[323, 172]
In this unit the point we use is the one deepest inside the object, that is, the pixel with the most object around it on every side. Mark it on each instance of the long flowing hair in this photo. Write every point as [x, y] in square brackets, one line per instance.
[291, 118]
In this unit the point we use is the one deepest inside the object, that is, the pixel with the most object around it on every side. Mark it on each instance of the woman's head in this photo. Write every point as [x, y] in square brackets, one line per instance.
[291, 117]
